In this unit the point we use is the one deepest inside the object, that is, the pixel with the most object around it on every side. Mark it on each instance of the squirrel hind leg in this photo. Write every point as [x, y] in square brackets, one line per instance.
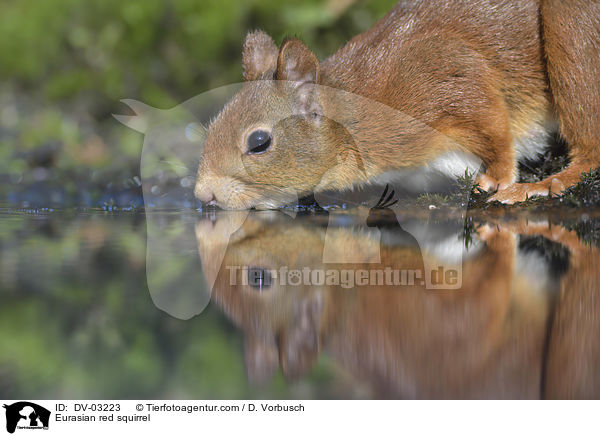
[572, 47]
[571, 32]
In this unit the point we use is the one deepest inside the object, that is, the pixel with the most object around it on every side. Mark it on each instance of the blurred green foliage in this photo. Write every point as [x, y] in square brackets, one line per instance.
[159, 51]
[65, 64]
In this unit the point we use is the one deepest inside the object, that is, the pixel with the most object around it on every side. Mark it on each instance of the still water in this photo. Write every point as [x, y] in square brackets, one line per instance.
[361, 304]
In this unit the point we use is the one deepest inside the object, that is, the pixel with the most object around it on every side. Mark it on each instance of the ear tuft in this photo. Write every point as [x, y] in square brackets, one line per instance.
[297, 63]
[259, 56]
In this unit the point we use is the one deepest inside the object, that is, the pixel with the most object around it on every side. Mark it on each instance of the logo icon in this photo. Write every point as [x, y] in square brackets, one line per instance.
[26, 415]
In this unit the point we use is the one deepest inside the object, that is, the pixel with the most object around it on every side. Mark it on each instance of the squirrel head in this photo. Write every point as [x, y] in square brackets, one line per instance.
[271, 143]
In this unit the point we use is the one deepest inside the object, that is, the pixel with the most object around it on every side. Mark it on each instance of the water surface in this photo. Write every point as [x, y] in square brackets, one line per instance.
[360, 304]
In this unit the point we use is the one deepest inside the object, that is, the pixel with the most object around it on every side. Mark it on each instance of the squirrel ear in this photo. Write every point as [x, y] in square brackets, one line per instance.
[297, 63]
[259, 56]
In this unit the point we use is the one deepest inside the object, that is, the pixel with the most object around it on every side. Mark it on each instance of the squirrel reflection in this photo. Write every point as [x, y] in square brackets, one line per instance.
[501, 335]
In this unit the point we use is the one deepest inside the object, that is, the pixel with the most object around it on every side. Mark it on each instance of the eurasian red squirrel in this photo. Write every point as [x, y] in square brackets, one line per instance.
[491, 79]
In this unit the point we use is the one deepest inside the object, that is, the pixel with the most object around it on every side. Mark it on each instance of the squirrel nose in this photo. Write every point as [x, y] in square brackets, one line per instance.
[204, 194]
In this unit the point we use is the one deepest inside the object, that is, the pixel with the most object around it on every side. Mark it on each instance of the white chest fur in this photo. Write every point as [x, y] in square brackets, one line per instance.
[533, 143]
[434, 176]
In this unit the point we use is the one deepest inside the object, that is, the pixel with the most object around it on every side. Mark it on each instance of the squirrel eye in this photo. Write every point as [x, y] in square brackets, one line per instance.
[259, 141]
